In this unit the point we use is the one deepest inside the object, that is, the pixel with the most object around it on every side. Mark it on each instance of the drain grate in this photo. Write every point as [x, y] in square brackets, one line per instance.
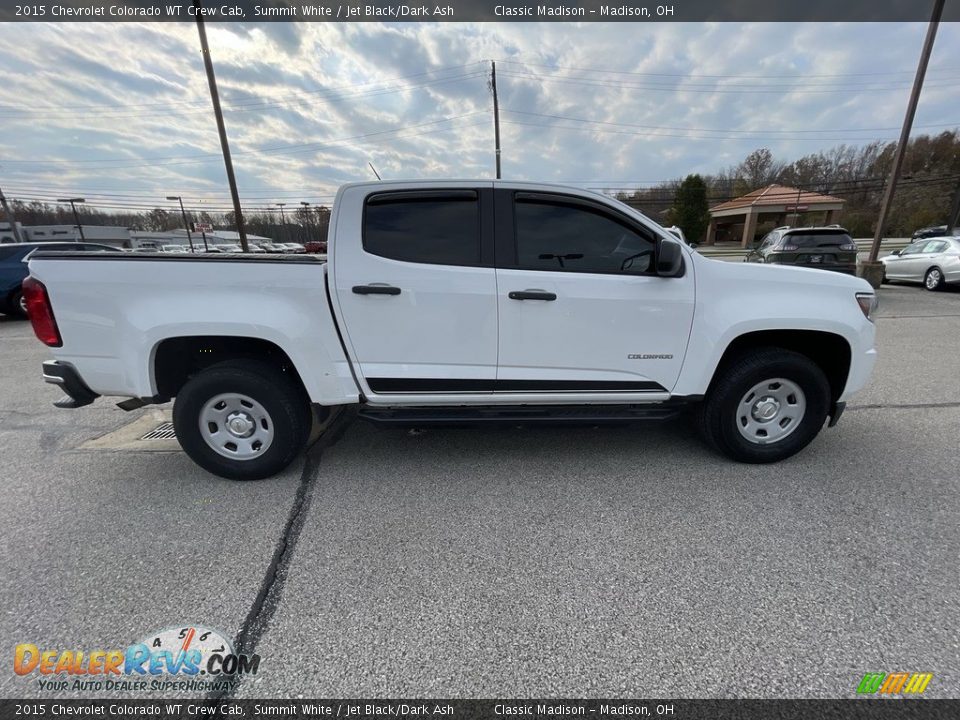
[163, 431]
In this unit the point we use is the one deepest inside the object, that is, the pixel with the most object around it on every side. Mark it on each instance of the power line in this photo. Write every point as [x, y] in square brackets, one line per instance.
[72, 110]
[711, 130]
[674, 87]
[279, 150]
[687, 136]
[241, 107]
[724, 77]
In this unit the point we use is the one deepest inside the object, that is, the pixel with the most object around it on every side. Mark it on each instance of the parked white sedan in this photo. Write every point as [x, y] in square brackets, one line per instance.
[932, 261]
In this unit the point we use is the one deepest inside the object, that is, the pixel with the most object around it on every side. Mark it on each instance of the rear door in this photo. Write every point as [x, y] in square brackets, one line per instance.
[580, 308]
[416, 289]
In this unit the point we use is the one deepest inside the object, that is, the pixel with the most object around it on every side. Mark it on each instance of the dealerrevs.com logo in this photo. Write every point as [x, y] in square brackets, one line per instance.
[898, 683]
[176, 659]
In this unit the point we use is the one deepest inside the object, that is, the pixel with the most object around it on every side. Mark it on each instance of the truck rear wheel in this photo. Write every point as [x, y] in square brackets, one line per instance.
[242, 419]
[765, 405]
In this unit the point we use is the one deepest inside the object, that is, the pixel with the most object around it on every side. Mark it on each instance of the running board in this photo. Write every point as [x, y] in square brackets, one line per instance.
[520, 414]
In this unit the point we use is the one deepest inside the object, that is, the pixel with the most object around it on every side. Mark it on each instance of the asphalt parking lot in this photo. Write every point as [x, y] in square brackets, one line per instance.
[627, 561]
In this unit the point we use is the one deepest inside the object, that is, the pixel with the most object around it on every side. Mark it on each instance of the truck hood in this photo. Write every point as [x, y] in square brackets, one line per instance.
[782, 275]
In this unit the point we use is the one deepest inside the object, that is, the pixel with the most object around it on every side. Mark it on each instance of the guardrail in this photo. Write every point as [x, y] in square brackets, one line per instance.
[863, 245]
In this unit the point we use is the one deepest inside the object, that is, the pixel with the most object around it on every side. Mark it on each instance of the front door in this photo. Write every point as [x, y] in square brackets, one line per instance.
[417, 290]
[580, 307]
[906, 265]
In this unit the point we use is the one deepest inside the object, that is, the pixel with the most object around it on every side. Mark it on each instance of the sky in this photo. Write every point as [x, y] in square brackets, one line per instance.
[120, 112]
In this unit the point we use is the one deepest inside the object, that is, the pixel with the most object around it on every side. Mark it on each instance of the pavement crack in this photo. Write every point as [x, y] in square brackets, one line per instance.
[904, 406]
[271, 587]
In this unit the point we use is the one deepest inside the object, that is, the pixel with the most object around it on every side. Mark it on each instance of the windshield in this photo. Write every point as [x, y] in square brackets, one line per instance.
[11, 251]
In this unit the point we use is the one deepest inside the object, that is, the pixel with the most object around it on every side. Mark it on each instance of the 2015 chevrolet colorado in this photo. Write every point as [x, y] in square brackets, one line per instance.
[457, 301]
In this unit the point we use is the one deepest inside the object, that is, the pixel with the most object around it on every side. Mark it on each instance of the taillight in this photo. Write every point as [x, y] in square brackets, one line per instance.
[40, 312]
[789, 248]
[848, 246]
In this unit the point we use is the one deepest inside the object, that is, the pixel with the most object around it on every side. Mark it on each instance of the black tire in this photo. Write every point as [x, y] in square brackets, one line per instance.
[717, 415]
[14, 305]
[933, 282]
[280, 395]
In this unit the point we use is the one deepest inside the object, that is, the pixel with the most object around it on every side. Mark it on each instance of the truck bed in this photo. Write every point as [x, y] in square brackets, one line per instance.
[114, 310]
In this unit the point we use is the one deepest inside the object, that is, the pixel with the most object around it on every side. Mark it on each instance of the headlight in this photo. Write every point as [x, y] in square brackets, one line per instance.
[868, 303]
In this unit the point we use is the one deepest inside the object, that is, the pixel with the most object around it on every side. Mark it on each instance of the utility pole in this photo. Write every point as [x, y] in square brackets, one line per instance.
[283, 222]
[954, 219]
[185, 223]
[76, 216]
[873, 272]
[9, 215]
[496, 112]
[221, 128]
[307, 216]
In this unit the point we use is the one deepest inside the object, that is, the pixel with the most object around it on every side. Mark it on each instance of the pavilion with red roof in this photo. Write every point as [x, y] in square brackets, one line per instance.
[778, 200]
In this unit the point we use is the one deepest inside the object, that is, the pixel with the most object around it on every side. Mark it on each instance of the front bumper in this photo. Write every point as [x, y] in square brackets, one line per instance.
[67, 377]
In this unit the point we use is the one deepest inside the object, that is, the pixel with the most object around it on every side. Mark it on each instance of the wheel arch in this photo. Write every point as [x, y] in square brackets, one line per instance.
[175, 360]
[829, 351]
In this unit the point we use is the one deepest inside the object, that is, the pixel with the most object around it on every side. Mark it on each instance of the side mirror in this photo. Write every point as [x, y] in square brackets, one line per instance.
[669, 259]
[895, 252]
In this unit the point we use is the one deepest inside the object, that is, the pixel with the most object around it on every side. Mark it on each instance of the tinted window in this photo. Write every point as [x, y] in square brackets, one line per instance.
[913, 248]
[808, 240]
[573, 238]
[767, 241]
[424, 227]
[59, 246]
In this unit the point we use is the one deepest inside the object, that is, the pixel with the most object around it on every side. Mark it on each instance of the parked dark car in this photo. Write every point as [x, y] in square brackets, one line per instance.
[825, 248]
[13, 269]
[932, 232]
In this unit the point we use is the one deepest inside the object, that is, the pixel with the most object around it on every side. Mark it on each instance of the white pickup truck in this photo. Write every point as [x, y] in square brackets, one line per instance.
[457, 302]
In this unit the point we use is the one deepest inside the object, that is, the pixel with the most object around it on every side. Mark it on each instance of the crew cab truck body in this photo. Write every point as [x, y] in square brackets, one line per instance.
[457, 301]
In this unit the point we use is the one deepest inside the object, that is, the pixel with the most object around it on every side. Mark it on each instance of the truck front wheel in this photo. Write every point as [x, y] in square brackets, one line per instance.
[765, 405]
[242, 419]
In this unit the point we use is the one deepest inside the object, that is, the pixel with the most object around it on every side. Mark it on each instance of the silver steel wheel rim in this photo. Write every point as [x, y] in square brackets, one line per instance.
[23, 304]
[770, 411]
[236, 426]
[933, 279]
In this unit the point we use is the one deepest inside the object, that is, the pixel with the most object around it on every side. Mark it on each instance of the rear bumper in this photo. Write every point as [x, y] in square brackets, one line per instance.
[67, 377]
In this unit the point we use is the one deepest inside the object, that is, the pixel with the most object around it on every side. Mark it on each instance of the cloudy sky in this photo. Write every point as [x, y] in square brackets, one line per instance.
[121, 113]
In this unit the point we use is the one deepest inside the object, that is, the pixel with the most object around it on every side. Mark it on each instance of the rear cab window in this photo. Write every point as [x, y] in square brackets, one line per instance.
[423, 226]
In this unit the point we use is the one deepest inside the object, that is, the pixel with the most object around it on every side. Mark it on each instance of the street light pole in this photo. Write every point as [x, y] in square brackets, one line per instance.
[76, 216]
[185, 223]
